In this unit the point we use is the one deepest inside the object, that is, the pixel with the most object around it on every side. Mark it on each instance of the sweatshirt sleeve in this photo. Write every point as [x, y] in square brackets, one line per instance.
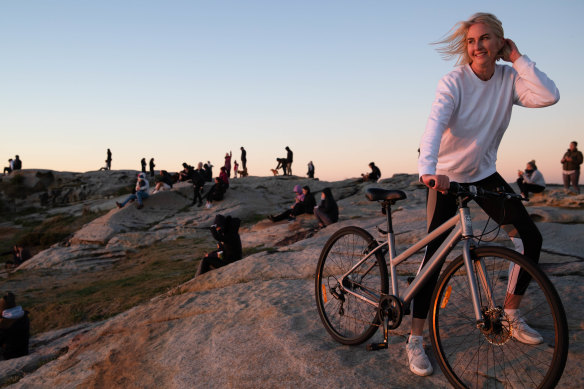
[533, 88]
[440, 114]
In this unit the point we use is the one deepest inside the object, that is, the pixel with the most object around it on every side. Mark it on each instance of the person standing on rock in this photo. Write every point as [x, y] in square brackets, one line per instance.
[243, 161]
[151, 165]
[14, 328]
[227, 164]
[142, 187]
[225, 230]
[468, 118]
[289, 159]
[108, 160]
[571, 162]
[310, 172]
[143, 165]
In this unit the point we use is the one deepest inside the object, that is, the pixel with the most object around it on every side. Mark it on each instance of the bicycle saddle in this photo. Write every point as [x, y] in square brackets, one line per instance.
[378, 194]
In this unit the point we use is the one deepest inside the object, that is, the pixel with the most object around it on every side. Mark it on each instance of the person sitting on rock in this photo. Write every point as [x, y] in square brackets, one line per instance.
[327, 212]
[163, 182]
[208, 171]
[187, 172]
[8, 169]
[224, 176]
[296, 209]
[14, 328]
[142, 187]
[373, 176]
[530, 180]
[309, 201]
[216, 192]
[225, 230]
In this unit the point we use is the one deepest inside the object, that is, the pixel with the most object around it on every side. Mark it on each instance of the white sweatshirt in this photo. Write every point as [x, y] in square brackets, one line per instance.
[469, 117]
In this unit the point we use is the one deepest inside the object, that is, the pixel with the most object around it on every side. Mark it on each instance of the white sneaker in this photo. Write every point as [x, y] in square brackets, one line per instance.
[208, 205]
[521, 331]
[418, 360]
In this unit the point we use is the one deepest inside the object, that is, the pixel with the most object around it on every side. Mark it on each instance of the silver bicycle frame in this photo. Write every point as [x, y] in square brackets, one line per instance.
[461, 226]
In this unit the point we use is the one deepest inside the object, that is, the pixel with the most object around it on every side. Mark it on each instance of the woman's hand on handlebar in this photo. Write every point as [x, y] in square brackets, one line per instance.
[439, 182]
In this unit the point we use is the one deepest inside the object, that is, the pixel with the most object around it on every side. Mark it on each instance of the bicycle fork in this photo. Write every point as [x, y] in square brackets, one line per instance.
[480, 270]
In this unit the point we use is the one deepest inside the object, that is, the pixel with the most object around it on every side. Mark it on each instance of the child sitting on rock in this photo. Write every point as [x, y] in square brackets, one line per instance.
[225, 230]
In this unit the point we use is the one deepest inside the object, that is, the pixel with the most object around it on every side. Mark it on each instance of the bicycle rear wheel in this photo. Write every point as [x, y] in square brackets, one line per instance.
[490, 355]
[348, 319]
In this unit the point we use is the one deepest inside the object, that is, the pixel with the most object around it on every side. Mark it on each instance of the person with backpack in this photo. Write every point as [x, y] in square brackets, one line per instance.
[225, 230]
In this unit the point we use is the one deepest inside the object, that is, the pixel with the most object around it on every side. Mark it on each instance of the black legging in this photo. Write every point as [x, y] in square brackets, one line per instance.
[527, 188]
[510, 214]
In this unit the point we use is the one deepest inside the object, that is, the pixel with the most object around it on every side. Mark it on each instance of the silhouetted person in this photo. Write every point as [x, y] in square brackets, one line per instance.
[17, 163]
[151, 165]
[143, 163]
[244, 161]
[108, 161]
[374, 175]
[289, 158]
[310, 172]
[8, 169]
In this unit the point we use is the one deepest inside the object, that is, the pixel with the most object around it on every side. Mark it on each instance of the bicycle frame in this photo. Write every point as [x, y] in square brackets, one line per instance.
[461, 225]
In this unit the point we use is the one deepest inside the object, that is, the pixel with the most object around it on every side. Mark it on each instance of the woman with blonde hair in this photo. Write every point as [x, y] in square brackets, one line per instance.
[469, 116]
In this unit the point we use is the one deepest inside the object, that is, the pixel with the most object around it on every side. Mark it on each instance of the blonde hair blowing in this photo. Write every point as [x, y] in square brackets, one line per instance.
[454, 44]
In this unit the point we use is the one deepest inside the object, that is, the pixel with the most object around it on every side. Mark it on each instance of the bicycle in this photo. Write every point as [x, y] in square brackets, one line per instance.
[472, 336]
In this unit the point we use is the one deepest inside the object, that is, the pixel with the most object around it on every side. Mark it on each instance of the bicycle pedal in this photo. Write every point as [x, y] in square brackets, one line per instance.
[376, 346]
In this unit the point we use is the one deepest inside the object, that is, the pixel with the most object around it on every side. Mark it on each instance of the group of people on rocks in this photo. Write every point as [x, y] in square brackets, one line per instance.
[326, 212]
[531, 180]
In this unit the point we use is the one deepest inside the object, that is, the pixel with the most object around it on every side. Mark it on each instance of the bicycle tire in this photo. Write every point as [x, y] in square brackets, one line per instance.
[491, 357]
[347, 319]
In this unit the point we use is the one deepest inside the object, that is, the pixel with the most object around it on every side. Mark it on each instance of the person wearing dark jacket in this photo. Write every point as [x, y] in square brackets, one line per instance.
[328, 211]
[216, 192]
[244, 161]
[14, 328]
[309, 201]
[225, 230]
[143, 164]
[571, 162]
[163, 181]
[374, 175]
[289, 157]
[208, 172]
[198, 184]
[151, 165]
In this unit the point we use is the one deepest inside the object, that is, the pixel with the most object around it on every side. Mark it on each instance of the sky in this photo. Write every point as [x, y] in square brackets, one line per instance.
[342, 83]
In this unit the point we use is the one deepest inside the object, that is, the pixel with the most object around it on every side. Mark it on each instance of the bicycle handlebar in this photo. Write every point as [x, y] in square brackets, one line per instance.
[457, 189]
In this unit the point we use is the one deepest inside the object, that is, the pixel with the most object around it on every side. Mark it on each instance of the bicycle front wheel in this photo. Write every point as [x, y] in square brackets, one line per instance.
[495, 353]
[348, 318]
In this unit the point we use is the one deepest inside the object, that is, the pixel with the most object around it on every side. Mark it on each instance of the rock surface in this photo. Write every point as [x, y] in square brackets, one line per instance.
[254, 323]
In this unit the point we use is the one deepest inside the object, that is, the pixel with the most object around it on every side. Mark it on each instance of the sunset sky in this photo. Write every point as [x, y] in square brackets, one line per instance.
[343, 83]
